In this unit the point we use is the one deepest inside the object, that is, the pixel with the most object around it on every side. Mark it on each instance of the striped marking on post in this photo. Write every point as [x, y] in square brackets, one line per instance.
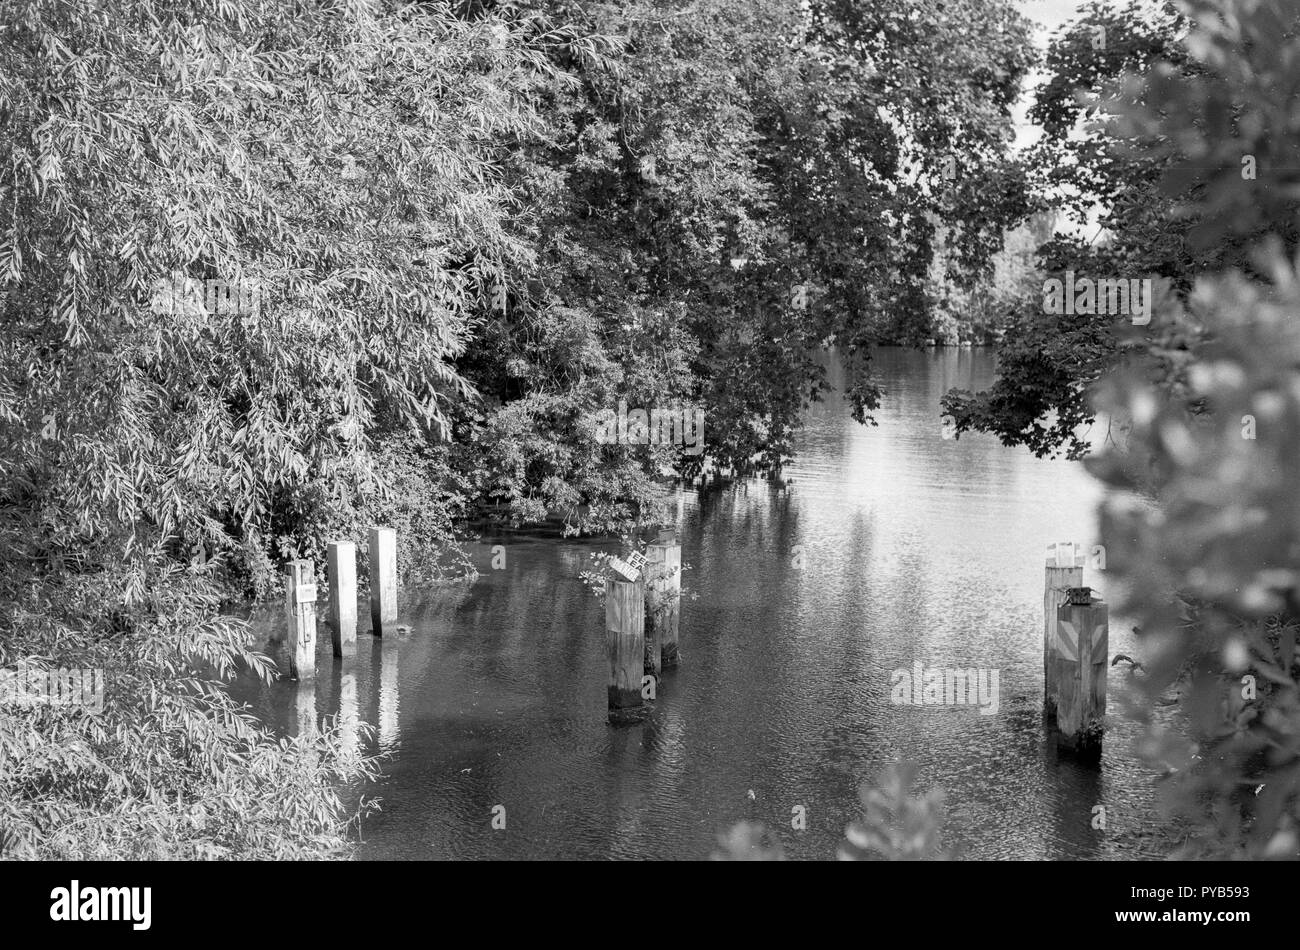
[1066, 641]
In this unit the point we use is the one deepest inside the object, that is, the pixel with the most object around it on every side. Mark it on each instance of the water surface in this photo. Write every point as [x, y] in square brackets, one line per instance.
[887, 546]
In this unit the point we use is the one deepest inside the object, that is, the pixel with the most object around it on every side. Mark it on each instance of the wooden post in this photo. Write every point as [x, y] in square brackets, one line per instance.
[300, 604]
[341, 571]
[1077, 671]
[663, 599]
[383, 579]
[651, 576]
[1064, 570]
[624, 644]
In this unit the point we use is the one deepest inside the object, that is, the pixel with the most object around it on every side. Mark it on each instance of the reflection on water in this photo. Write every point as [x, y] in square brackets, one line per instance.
[387, 651]
[349, 716]
[887, 546]
[305, 708]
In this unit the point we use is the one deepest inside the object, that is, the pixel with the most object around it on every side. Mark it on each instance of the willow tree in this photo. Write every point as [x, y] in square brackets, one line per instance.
[338, 164]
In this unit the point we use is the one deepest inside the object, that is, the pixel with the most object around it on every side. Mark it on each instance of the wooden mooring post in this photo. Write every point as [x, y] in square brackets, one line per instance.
[300, 605]
[383, 579]
[341, 571]
[663, 599]
[1064, 570]
[625, 645]
[1076, 669]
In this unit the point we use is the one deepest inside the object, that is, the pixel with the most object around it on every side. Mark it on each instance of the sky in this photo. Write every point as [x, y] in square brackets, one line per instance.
[1049, 15]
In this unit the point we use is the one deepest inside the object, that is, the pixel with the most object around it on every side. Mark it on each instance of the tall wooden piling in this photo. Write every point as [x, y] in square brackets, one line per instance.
[341, 571]
[383, 579]
[624, 644]
[1064, 570]
[1077, 670]
[663, 599]
[300, 605]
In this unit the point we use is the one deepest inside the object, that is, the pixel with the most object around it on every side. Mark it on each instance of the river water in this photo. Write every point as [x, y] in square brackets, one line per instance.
[911, 547]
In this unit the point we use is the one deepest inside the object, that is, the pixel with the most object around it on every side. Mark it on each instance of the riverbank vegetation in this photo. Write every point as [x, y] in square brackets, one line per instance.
[467, 230]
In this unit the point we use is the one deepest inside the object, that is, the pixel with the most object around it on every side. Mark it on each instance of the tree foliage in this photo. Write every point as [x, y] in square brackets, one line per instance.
[733, 187]
[342, 160]
[1087, 170]
[1210, 399]
[455, 234]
